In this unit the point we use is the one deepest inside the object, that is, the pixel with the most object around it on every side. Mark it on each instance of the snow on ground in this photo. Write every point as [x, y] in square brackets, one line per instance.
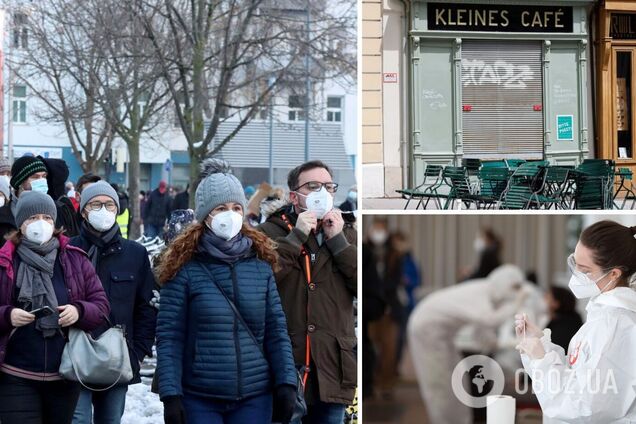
[142, 406]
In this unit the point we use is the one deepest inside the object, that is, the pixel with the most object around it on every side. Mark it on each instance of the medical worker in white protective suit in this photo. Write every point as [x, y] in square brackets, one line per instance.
[436, 320]
[596, 381]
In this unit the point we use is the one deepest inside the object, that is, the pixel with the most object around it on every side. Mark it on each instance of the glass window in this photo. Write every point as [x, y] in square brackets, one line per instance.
[334, 109]
[19, 103]
[296, 108]
[624, 104]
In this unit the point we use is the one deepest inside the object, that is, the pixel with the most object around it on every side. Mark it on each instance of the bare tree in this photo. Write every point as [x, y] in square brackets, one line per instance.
[105, 70]
[65, 100]
[222, 61]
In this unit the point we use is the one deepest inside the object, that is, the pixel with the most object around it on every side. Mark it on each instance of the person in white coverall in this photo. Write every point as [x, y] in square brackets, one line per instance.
[436, 320]
[596, 381]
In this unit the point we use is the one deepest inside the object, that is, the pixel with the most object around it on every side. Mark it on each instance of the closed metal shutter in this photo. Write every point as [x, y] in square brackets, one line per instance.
[502, 98]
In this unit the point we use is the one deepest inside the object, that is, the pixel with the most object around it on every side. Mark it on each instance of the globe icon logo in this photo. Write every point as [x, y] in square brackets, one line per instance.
[475, 378]
[479, 380]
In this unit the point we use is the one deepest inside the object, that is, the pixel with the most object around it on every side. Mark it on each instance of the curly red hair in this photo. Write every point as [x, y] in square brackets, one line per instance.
[183, 247]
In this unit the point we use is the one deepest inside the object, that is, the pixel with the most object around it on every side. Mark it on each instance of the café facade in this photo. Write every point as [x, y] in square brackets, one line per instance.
[615, 47]
[499, 80]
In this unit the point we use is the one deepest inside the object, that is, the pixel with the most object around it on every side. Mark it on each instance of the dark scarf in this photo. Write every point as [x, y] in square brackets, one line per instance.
[228, 251]
[98, 241]
[34, 279]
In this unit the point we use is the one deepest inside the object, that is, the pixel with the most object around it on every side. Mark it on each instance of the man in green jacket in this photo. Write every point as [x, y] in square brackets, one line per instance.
[317, 283]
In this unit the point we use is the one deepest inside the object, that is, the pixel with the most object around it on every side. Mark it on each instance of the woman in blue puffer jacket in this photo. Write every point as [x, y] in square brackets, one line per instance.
[211, 368]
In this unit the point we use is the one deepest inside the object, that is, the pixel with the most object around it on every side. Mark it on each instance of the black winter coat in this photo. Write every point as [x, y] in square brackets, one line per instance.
[7, 223]
[124, 270]
[157, 208]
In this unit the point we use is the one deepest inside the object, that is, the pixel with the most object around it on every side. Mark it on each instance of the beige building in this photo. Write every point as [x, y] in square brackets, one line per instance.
[384, 79]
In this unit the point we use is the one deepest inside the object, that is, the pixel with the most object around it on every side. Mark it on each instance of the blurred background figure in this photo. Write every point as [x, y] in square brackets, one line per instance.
[384, 312]
[565, 321]
[487, 245]
[351, 203]
[432, 328]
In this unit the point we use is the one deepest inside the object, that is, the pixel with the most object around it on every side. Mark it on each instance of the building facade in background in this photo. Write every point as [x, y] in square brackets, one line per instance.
[445, 81]
[332, 131]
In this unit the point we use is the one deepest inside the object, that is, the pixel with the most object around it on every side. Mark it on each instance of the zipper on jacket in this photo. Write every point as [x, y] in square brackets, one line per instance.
[237, 339]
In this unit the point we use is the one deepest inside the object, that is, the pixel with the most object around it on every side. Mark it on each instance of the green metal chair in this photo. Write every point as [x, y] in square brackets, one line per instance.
[558, 186]
[456, 177]
[594, 184]
[492, 183]
[427, 189]
[525, 187]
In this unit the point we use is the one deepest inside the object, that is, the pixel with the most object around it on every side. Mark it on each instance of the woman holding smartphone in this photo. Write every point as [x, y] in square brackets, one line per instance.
[41, 272]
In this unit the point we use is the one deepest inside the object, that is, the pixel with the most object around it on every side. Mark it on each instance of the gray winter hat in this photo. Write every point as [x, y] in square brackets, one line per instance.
[5, 165]
[32, 203]
[5, 189]
[99, 188]
[217, 186]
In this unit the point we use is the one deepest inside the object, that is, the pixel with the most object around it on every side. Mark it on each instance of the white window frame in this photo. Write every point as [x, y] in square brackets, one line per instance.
[334, 114]
[19, 105]
[296, 114]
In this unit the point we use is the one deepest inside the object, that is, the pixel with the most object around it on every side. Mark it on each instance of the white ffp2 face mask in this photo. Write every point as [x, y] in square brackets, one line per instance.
[39, 231]
[102, 220]
[226, 224]
[319, 202]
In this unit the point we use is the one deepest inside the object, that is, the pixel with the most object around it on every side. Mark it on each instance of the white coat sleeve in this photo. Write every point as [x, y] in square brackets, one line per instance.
[598, 386]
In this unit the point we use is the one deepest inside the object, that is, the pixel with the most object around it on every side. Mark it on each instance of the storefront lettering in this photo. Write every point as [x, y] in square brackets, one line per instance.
[508, 75]
[468, 17]
[542, 20]
[623, 26]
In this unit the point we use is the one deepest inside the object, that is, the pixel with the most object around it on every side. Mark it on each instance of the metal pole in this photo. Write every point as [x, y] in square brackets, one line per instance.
[2, 99]
[10, 116]
[271, 133]
[271, 143]
[307, 86]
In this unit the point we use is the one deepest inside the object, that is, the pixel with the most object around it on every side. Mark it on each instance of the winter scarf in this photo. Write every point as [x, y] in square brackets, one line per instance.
[34, 279]
[98, 241]
[228, 251]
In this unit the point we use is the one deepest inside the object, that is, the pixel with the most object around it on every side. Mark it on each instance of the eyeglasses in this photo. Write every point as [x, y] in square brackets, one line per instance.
[316, 186]
[95, 206]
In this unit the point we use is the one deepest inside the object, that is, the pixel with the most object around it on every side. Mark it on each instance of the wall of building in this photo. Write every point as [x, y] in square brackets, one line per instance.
[372, 135]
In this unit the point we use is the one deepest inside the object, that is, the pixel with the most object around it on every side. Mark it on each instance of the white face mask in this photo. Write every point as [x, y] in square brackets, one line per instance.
[581, 285]
[39, 231]
[378, 237]
[40, 185]
[318, 202]
[6, 178]
[353, 195]
[479, 244]
[226, 224]
[71, 194]
[2, 200]
[101, 220]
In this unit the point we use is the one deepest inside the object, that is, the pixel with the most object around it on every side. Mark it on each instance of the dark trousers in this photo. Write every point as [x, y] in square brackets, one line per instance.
[254, 410]
[37, 402]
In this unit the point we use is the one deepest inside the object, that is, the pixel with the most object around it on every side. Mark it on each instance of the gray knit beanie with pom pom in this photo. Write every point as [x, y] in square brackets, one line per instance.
[217, 186]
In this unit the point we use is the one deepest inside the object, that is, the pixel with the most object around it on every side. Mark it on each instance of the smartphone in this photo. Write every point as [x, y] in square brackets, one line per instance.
[42, 312]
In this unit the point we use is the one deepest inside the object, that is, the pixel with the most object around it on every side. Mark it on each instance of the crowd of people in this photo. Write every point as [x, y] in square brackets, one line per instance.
[254, 320]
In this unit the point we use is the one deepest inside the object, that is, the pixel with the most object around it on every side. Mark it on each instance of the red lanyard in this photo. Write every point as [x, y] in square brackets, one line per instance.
[308, 276]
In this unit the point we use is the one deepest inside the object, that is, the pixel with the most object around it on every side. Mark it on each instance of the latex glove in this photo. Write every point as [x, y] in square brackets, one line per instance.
[532, 347]
[306, 222]
[173, 411]
[156, 297]
[284, 403]
[531, 330]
